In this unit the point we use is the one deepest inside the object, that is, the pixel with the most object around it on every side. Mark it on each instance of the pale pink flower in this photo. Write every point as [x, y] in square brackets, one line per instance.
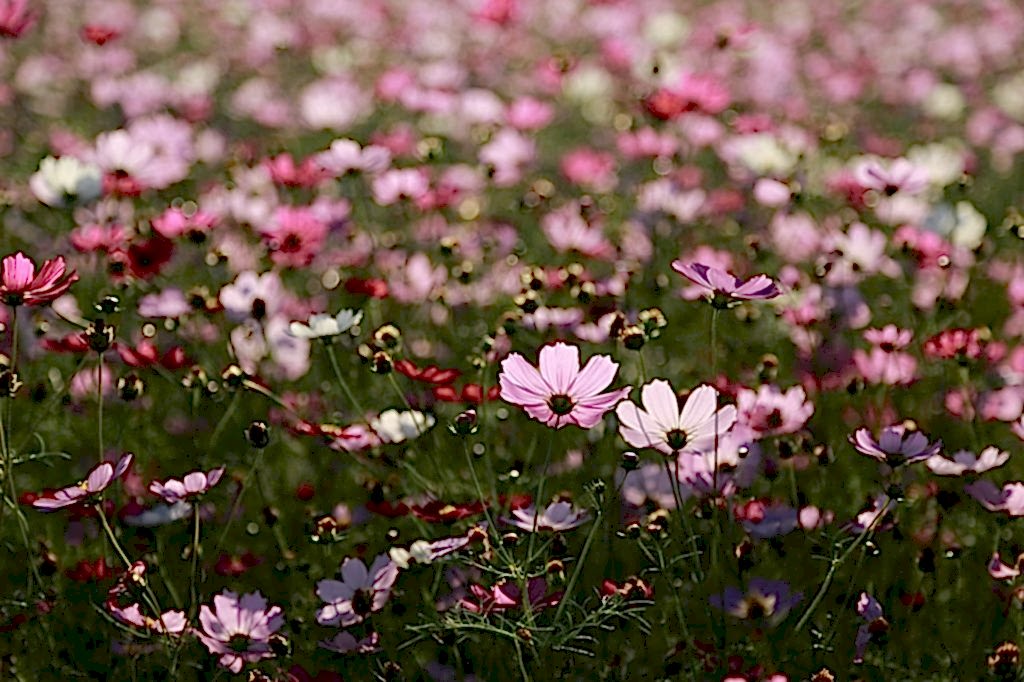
[1008, 499]
[99, 479]
[964, 462]
[898, 175]
[15, 18]
[558, 516]
[997, 570]
[897, 445]
[239, 629]
[359, 593]
[772, 412]
[560, 393]
[662, 425]
[192, 486]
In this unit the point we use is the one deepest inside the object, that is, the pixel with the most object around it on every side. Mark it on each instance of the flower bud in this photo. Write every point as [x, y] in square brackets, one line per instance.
[130, 387]
[630, 461]
[381, 363]
[257, 434]
[100, 335]
[464, 424]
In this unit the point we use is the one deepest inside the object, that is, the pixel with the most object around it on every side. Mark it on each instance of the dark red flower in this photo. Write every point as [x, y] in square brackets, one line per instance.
[374, 288]
[431, 374]
[99, 34]
[438, 511]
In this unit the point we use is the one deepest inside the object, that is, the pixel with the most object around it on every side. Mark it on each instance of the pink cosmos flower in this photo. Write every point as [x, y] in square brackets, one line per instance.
[15, 18]
[662, 425]
[997, 570]
[723, 289]
[294, 236]
[965, 462]
[123, 604]
[239, 629]
[193, 486]
[561, 393]
[506, 595]
[99, 479]
[359, 593]
[772, 412]
[1008, 499]
[896, 445]
[20, 285]
[900, 175]
[558, 516]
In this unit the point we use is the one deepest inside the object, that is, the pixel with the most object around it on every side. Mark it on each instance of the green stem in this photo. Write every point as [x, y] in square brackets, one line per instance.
[238, 500]
[834, 566]
[193, 580]
[578, 568]
[344, 384]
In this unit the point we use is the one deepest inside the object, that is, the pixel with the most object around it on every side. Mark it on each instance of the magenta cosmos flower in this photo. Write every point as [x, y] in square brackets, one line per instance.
[896, 445]
[662, 425]
[359, 593]
[239, 629]
[561, 393]
[723, 289]
[193, 486]
[99, 479]
[20, 285]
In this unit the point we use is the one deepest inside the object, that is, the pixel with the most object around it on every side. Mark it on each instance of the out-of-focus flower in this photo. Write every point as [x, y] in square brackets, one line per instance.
[359, 593]
[874, 628]
[346, 643]
[393, 426]
[194, 485]
[560, 393]
[662, 425]
[899, 175]
[20, 285]
[558, 516]
[322, 326]
[15, 18]
[123, 604]
[723, 289]
[65, 180]
[99, 479]
[764, 601]
[772, 412]
[1009, 499]
[964, 462]
[896, 446]
[239, 629]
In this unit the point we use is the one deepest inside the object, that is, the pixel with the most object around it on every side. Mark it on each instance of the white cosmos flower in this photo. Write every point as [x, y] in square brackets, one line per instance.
[393, 426]
[59, 182]
[322, 325]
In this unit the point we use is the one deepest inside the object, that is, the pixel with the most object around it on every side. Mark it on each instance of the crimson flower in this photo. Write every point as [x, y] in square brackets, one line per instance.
[21, 285]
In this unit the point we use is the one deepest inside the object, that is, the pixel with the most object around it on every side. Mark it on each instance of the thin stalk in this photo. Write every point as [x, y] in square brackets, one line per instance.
[342, 383]
[238, 500]
[193, 580]
[834, 566]
[99, 413]
[578, 568]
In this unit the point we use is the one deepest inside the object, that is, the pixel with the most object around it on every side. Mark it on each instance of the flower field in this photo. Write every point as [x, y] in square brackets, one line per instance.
[512, 340]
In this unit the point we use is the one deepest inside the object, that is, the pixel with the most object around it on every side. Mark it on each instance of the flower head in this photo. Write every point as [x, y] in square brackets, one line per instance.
[897, 445]
[764, 600]
[558, 516]
[63, 181]
[723, 289]
[193, 485]
[874, 628]
[662, 425]
[560, 393]
[20, 285]
[965, 462]
[239, 628]
[359, 593]
[322, 326]
[99, 479]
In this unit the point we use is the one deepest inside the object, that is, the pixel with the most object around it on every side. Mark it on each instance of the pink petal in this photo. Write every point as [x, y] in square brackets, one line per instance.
[559, 365]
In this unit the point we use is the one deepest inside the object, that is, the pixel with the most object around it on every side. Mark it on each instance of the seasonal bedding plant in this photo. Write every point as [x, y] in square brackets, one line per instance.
[509, 339]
